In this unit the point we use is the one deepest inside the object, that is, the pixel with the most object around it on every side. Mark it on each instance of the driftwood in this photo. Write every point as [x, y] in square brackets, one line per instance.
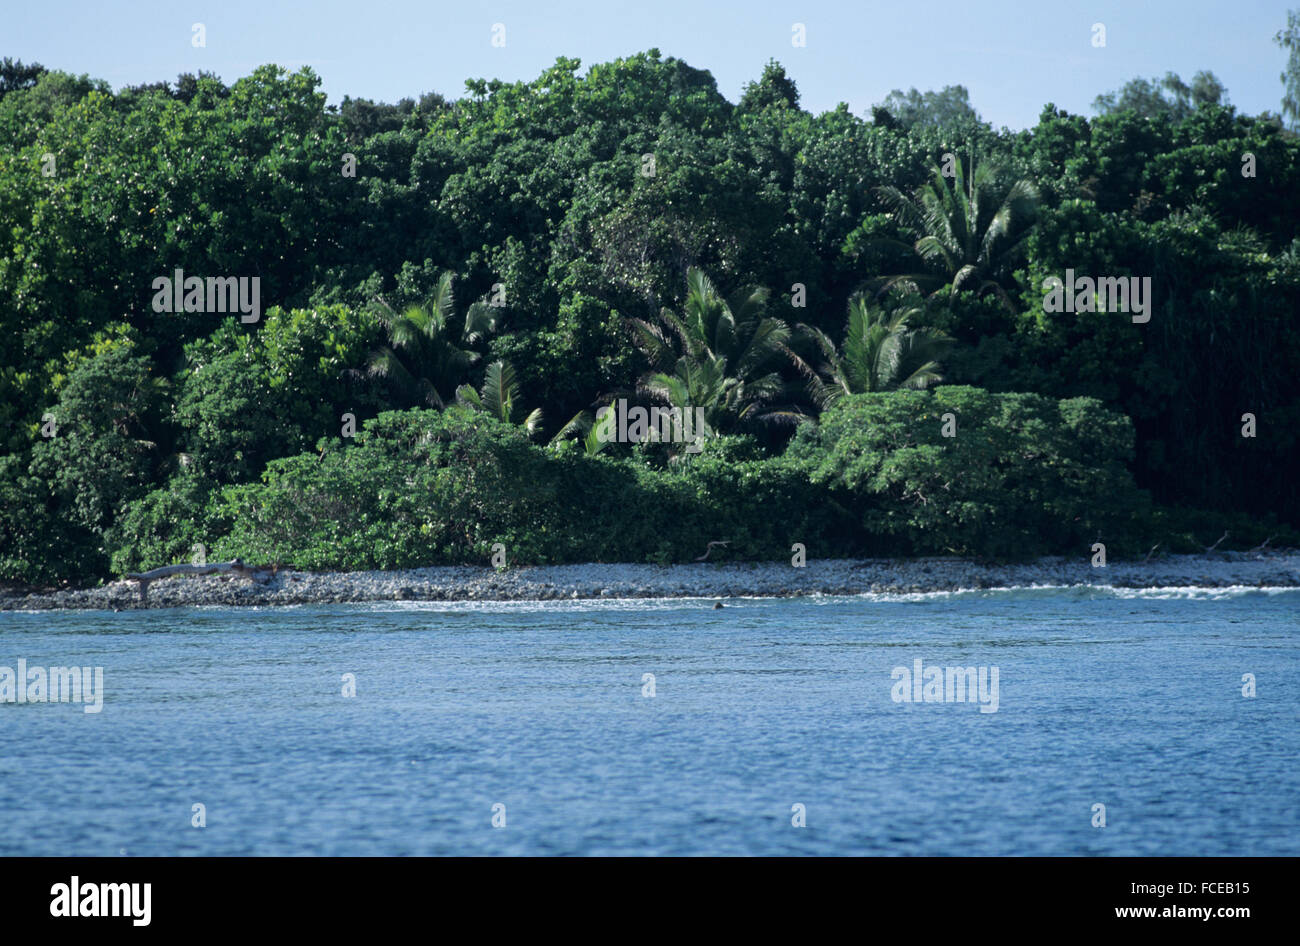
[709, 550]
[1263, 545]
[260, 574]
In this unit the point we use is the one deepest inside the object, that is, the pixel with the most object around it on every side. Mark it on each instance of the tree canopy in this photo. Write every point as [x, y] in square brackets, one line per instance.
[510, 260]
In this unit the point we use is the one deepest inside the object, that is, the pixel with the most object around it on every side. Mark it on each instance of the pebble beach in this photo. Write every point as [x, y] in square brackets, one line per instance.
[1271, 569]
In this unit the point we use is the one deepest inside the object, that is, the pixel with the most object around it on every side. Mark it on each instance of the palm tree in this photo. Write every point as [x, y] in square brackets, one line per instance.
[425, 357]
[581, 425]
[718, 355]
[500, 398]
[969, 233]
[880, 353]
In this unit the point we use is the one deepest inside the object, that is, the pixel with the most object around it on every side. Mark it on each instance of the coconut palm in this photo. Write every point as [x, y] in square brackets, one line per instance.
[499, 397]
[704, 384]
[580, 426]
[881, 352]
[970, 232]
[427, 355]
[719, 354]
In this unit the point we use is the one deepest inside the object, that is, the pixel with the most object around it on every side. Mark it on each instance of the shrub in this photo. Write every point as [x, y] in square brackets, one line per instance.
[1023, 474]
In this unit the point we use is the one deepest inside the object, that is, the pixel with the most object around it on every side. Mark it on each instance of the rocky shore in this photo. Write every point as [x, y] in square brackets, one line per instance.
[831, 577]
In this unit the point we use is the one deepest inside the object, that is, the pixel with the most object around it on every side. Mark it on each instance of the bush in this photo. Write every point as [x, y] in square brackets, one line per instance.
[423, 488]
[248, 397]
[1023, 475]
[38, 544]
[164, 526]
[104, 449]
[416, 488]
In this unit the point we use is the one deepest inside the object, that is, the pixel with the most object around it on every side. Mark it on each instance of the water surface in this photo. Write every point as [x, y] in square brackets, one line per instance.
[1128, 699]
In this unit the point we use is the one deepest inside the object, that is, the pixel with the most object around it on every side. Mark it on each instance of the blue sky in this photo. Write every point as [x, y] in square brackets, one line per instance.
[1013, 55]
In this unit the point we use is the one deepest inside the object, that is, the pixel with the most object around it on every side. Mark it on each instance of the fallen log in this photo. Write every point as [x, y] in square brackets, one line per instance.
[235, 566]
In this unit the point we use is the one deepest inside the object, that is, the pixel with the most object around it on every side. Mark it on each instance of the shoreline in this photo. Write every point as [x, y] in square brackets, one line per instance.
[1271, 569]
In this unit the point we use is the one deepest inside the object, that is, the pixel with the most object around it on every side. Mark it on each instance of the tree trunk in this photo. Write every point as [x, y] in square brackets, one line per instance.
[235, 566]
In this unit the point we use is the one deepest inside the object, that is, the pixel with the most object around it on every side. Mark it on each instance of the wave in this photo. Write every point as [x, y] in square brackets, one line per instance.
[696, 603]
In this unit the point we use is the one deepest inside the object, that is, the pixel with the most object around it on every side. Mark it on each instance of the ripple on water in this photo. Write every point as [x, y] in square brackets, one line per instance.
[1127, 697]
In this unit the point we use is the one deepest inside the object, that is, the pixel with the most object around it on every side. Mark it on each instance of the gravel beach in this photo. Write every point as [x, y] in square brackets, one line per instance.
[1280, 568]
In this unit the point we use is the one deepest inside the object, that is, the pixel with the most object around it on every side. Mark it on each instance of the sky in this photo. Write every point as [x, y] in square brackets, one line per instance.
[1014, 56]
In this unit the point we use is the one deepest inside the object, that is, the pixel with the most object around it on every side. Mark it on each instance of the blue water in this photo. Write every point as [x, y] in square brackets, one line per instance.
[1128, 699]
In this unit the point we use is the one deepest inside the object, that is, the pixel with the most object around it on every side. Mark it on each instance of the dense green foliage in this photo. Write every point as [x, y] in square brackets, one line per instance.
[428, 487]
[1012, 474]
[501, 265]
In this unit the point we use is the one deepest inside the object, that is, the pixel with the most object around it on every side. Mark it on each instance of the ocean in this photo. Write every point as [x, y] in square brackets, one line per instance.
[1097, 722]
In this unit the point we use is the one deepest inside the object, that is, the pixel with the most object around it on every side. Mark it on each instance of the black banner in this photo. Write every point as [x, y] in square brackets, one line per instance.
[1219, 896]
